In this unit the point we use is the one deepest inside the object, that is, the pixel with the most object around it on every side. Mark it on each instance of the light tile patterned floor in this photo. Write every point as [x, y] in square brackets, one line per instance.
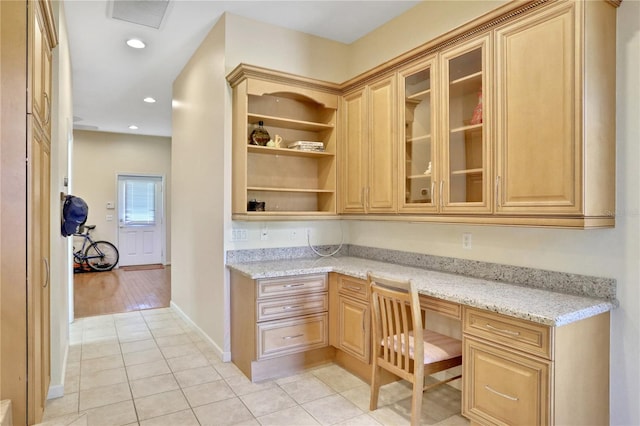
[150, 368]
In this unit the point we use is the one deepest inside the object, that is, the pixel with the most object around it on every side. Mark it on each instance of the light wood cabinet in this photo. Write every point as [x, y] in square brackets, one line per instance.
[555, 127]
[39, 277]
[506, 120]
[28, 37]
[369, 148]
[354, 318]
[466, 107]
[520, 372]
[279, 325]
[40, 57]
[290, 182]
[447, 154]
[419, 162]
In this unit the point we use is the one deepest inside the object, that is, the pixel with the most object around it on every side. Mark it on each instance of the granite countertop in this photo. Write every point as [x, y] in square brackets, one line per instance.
[533, 304]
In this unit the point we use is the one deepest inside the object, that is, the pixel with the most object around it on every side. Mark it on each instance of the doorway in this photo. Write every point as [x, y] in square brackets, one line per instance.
[141, 236]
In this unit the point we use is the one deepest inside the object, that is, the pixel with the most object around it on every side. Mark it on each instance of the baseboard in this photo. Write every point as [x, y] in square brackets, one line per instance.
[57, 391]
[225, 356]
[6, 418]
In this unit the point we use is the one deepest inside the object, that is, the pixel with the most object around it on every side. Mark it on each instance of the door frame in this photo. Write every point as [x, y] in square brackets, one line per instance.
[163, 204]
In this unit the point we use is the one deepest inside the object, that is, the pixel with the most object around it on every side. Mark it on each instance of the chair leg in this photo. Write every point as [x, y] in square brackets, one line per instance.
[416, 402]
[375, 386]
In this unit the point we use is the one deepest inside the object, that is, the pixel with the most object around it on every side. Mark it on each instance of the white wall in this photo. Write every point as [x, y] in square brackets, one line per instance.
[201, 111]
[61, 134]
[100, 156]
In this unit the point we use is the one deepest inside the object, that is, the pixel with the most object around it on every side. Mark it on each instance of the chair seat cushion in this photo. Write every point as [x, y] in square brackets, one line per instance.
[437, 347]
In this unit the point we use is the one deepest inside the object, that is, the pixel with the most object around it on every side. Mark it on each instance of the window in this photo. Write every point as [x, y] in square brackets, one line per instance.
[139, 199]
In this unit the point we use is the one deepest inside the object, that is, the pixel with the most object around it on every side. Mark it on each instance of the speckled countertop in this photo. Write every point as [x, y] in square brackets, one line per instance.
[538, 305]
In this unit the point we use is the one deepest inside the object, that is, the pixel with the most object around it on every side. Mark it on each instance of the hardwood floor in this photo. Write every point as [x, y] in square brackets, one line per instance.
[121, 290]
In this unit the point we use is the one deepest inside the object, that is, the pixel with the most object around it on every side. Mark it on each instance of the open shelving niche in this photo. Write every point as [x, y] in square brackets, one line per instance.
[292, 183]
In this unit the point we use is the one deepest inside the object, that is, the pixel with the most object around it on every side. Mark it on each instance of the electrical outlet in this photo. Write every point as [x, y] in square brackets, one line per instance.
[264, 233]
[293, 234]
[239, 235]
[466, 241]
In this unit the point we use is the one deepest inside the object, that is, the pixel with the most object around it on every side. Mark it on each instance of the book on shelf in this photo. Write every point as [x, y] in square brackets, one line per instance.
[306, 145]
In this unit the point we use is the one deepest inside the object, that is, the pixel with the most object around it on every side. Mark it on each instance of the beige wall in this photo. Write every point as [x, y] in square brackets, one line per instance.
[257, 43]
[97, 159]
[609, 253]
[201, 108]
[61, 274]
[422, 23]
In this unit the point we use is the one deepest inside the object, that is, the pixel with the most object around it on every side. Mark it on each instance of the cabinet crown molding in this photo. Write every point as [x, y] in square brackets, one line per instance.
[244, 71]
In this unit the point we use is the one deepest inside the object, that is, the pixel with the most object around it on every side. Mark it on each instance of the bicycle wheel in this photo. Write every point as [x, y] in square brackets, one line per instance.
[102, 256]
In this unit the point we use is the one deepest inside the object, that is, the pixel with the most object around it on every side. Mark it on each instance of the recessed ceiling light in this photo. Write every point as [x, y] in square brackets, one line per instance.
[136, 43]
[133, 127]
[149, 100]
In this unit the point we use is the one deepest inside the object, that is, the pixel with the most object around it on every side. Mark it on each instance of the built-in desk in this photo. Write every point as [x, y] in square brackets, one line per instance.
[530, 356]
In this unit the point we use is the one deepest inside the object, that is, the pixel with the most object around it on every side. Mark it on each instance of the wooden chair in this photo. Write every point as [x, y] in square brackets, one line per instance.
[399, 337]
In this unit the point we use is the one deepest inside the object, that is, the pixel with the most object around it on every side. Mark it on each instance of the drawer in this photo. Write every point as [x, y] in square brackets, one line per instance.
[512, 332]
[353, 287]
[291, 306]
[444, 307]
[282, 337]
[502, 387]
[299, 284]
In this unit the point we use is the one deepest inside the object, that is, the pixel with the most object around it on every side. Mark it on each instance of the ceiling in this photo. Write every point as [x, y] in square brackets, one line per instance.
[111, 79]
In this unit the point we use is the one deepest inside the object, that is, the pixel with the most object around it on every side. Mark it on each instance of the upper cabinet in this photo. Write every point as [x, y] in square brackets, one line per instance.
[506, 120]
[42, 41]
[419, 162]
[288, 176]
[466, 167]
[555, 115]
[369, 154]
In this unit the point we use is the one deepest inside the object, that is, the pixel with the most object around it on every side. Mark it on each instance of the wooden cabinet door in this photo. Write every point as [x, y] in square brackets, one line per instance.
[383, 157]
[418, 140]
[354, 328]
[539, 166]
[466, 174]
[355, 152]
[502, 387]
[40, 56]
[38, 279]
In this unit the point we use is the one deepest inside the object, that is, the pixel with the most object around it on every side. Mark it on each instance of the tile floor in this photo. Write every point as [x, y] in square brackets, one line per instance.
[151, 368]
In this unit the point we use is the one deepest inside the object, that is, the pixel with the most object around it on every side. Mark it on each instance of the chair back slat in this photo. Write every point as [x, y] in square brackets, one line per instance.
[396, 326]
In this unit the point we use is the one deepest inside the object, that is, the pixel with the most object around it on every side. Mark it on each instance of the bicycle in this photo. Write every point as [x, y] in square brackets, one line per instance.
[100, 256]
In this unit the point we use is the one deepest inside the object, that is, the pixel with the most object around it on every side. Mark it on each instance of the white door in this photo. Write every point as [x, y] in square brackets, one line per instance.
[140, 218]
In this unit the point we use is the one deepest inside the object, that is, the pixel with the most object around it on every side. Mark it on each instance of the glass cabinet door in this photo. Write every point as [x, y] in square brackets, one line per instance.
[418, 147]
[465, 182]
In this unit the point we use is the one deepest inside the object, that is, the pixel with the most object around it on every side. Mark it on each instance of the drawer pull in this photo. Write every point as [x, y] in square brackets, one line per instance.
[352, 287]
[286, 308]
[504, 395]
[293, 285]
[502, 330]
[292, 337]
